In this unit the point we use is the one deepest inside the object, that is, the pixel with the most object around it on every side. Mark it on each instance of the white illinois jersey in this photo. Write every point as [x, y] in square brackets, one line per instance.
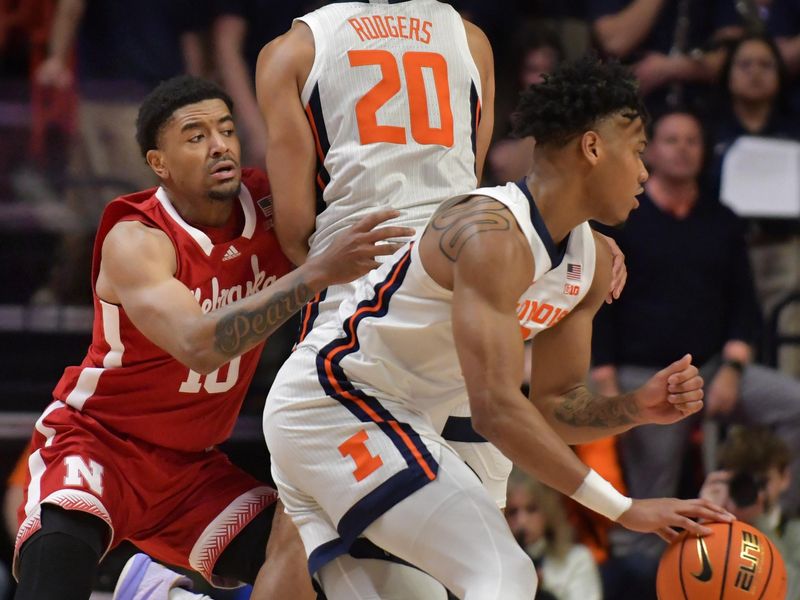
[393, 99]
[354, 418]
[400, 319]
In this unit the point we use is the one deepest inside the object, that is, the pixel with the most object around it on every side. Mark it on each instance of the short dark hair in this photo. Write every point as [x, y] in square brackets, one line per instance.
[573, 98]
[159, 105]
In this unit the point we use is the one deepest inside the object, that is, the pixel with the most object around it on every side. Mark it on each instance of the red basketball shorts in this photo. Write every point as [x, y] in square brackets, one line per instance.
[182, 508]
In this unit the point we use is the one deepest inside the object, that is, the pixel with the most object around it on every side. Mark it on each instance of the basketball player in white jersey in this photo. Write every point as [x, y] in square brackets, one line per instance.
[379, 104]
[350, 420]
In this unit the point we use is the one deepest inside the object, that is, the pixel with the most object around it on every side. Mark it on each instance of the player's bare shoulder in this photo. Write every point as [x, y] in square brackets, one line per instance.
[480, 48]
[290, 53]
[478, 230]
[131, 252]
[458, 220]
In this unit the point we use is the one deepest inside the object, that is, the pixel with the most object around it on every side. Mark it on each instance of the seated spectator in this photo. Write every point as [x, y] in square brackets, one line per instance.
[754, 476]
[753, 99]
[689, 288]
[755, 102]
[662, 39]
[538, 520]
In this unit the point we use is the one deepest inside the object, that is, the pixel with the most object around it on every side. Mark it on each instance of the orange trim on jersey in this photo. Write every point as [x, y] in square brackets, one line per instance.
[361, 404]
[477, 120]
[307, 319]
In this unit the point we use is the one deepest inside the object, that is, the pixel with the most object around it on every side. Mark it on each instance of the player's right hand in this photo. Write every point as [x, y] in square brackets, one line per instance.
[352, 253]
[662, 515]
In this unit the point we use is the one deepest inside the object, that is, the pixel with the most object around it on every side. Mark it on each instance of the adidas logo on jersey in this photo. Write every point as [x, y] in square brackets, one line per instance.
[230, 253]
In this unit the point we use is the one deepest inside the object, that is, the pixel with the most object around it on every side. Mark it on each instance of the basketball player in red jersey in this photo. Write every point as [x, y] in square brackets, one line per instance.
[188, 282]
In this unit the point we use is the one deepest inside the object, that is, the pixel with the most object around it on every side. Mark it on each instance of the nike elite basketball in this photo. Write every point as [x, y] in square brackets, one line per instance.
[735, 562]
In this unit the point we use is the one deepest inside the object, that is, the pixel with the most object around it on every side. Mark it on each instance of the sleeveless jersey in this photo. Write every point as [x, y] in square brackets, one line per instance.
[395, 338]
[393, 99]
[135, 388]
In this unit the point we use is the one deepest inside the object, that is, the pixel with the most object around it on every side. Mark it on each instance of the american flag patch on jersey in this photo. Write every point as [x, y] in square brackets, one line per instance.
[265, 204]
[573, 271]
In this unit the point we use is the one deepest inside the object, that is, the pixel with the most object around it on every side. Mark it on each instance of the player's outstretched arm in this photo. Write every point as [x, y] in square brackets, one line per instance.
[493, 267]
[561, 360]
[282, 69]
[137, 271]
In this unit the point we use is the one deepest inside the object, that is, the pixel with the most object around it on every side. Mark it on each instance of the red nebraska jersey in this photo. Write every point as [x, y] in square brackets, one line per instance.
[137, 389]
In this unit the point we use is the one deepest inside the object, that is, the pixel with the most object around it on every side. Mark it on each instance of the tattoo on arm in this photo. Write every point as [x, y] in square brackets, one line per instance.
[582, 408]
[458, 220]
[237, 331]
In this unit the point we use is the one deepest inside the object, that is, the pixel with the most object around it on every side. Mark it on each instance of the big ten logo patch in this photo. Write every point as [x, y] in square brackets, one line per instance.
[80, 474]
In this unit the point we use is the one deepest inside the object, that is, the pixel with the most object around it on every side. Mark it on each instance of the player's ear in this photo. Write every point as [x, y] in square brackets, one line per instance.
[591, 146]
[155, 159]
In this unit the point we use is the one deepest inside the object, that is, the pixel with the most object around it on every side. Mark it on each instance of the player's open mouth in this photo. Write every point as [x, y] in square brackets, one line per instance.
[223, 170]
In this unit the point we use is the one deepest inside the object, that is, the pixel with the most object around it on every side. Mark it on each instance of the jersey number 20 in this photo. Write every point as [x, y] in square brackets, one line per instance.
[367, 107]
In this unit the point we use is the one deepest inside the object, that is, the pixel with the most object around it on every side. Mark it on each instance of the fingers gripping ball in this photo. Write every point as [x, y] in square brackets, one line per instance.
[735, 562]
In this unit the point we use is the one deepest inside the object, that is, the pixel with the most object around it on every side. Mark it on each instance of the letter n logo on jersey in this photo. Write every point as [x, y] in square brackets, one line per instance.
[79, 474]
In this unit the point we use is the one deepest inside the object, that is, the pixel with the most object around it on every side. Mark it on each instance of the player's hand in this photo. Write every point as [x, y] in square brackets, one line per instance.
[353, 252]
[671, 394]
[662, 515]
[53, 73]
[619, 271]
[723, 392]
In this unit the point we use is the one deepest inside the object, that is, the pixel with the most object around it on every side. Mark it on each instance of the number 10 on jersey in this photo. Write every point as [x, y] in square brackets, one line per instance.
[367, 107]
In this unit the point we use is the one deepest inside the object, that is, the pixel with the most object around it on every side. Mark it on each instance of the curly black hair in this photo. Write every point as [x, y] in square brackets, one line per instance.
[573, 98]
[170, 95]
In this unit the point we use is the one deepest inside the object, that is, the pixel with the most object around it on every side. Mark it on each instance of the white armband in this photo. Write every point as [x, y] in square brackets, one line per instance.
[600, 496]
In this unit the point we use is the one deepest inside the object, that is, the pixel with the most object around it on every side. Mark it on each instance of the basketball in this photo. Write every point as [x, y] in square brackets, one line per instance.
[735, 562]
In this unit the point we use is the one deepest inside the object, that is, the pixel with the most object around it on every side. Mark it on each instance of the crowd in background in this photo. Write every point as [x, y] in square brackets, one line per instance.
[701, 278]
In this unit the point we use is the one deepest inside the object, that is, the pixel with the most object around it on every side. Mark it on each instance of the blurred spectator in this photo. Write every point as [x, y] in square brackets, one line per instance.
[754, 476]
[124, 49]
[537, 51]
[241, 28]
[538, 520]
[664, 40]
[753, 99]
[689, 289]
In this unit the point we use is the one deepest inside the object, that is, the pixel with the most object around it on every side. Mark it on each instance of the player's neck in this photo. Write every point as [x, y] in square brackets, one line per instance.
[198, 210]
[674, 196]
[556, 198]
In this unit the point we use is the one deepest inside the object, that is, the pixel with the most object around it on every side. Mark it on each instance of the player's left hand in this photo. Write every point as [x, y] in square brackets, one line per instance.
[671, 394]
[619, 272]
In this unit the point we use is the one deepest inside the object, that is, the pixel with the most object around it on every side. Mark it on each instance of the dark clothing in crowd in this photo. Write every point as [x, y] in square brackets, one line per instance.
[127, 48]
[689, 288]
[725, 129]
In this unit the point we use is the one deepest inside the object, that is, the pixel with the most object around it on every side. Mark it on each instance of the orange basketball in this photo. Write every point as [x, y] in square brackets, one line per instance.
[735, 562]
